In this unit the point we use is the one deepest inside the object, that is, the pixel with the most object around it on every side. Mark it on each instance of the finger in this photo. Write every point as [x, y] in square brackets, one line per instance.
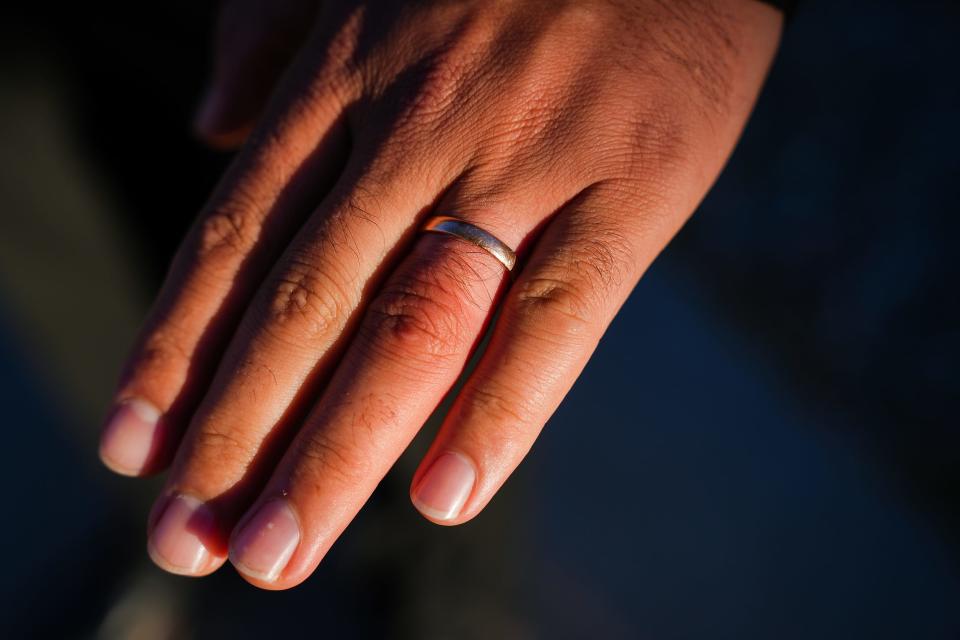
[255, 40]
[291, 333]
[411, 346]
[259, 204]
[284, 345]
[582, 270]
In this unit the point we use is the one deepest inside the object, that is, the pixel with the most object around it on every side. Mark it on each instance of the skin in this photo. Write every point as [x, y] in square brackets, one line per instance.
[307, 329]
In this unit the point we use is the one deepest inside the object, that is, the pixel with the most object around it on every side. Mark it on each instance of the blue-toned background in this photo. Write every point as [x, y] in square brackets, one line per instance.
[766, 444]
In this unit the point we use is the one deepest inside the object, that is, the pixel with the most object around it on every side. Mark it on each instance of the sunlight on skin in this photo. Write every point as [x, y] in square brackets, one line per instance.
[582, 135]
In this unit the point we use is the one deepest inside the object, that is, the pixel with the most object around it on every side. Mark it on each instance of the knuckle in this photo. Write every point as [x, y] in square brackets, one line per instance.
[159, 354]
[307, 303]
[227, 233]
[498, 405]
[442, 76]
[430, 93]
[499, 424]
[214, 446]
[588, 17]
[648, 145]
[557, 306]
[325, 459]
[570, 293]
[415, 318]
[657, 141]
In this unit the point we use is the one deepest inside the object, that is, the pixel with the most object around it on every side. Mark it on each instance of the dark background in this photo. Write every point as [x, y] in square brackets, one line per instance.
[764, 446]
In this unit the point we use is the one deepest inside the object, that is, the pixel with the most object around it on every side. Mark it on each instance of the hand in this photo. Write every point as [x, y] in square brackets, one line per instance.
[308, 327]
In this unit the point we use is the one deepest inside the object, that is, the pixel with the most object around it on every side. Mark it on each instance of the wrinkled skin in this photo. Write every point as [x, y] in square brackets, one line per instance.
[307, 329]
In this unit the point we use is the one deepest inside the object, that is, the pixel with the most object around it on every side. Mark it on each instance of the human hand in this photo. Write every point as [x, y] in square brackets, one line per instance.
[308, 328]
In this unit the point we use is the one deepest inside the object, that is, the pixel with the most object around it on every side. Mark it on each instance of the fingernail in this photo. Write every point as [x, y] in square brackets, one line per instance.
[445, 487]
[179, 540]
[264, 544]
[129, 437]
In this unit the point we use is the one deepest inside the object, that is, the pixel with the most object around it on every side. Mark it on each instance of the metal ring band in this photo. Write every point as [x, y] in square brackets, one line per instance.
[475, 235]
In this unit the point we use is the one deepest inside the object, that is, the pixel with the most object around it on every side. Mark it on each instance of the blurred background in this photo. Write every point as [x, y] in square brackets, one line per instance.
[776, 406]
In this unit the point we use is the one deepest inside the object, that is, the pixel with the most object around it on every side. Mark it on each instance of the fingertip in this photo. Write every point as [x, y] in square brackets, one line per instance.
[161, 562]
[266, 585]
[130, 438]
[184, 539]
[442, 492]
[263, 543]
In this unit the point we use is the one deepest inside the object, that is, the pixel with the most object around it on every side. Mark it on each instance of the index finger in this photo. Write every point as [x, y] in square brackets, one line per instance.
[268, 191]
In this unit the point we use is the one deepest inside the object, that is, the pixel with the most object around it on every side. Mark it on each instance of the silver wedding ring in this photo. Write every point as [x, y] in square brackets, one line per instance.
[475, 235]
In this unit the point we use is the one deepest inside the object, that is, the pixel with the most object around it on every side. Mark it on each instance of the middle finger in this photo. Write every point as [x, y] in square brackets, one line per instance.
[285, 341]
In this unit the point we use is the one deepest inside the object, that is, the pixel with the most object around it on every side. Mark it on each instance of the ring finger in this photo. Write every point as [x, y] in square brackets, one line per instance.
[409, 350]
